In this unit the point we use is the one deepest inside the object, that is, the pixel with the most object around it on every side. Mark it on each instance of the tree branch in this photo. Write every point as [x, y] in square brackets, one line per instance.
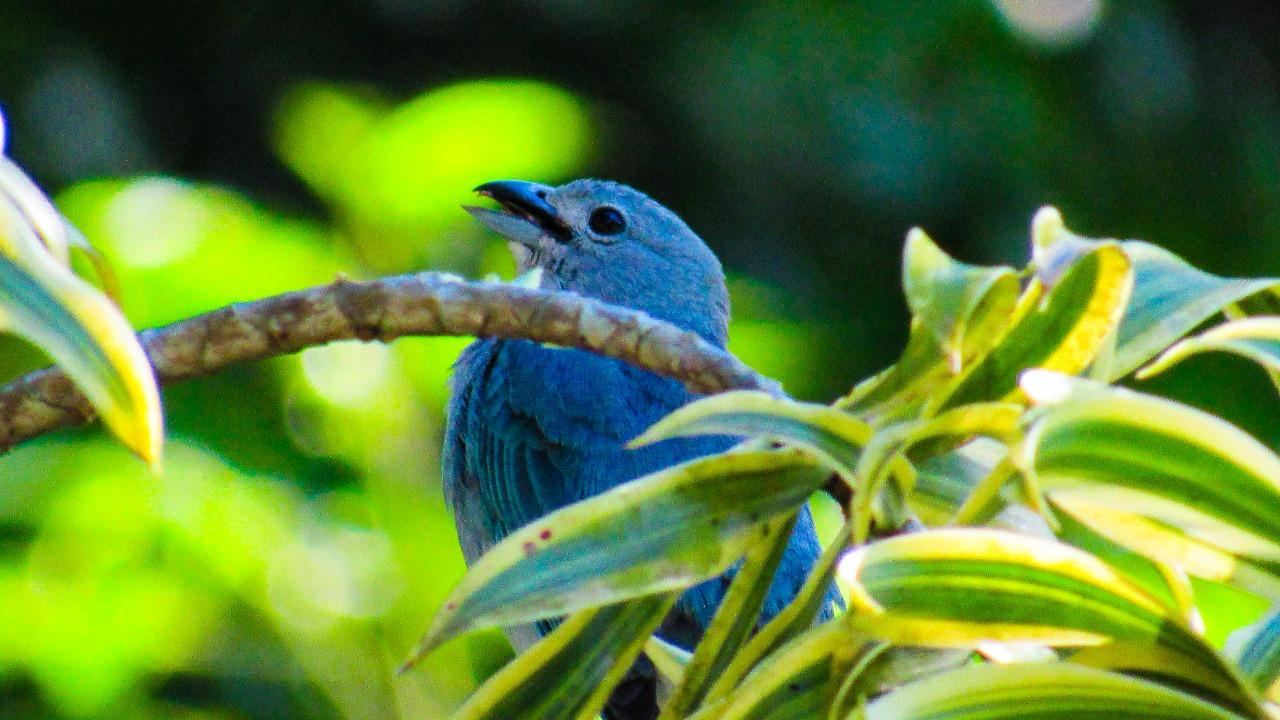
[423, 304]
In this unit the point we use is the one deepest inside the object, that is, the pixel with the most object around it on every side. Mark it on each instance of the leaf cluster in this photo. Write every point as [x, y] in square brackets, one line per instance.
[1020, 532]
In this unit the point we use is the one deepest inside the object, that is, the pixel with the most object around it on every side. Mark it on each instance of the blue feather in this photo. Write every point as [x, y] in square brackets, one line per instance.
[532, 429]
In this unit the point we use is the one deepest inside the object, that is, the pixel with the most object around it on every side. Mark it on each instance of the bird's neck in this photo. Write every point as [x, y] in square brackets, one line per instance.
[704, 311]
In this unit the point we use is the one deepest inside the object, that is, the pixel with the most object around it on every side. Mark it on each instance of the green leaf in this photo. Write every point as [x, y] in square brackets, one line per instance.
[834, 435]
[882, 668]
[570, 673]
[900, 389]
[1170, 297]
[944, 482]
[669, 660]
[957, 587]
[959, 311]
[1253, 338]
[964, 587]
[42, 300]
[734, 620]
[1068, 329]
[1164, 544]
[1162, 664]
[1259, 655]
[796, 618]
[798, 682]
[959, 304]
[891, 447]
[1048, 691]
[665, 531]
[1147, 455]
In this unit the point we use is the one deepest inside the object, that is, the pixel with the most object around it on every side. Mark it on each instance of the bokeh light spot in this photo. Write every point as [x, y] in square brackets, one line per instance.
[133, 213]
[351, 374]
[1051, 23]
[408, 168]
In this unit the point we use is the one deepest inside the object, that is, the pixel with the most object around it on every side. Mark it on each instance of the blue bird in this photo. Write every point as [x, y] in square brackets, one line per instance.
[532, 429]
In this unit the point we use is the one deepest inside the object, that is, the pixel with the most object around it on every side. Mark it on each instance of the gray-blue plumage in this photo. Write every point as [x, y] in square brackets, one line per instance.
[532, 429]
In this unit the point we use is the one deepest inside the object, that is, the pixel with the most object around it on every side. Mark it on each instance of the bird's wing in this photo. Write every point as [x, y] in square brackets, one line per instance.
[518, 438]
[533, 429]
[536, 429]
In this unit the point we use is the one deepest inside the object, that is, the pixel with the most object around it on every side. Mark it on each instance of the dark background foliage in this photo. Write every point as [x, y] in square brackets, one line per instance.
[801, 139]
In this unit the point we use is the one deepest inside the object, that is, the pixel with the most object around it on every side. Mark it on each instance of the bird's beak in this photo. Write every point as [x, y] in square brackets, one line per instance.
[526, 216]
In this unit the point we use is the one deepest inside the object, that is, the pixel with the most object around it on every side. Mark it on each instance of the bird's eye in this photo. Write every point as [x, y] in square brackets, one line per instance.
[606, 221]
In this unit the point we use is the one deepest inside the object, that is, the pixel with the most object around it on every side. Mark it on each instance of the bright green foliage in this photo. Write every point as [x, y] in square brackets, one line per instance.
[570, 672]
[668, 530]
[734, 620]
[999, 417]
[1059, 691]
[956, 303]
[794, 620]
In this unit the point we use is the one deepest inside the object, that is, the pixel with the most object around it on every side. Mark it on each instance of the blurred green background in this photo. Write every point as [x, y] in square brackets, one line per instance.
[296, 542]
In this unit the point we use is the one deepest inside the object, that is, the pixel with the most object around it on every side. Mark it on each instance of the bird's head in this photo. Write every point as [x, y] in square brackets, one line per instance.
[611, 242]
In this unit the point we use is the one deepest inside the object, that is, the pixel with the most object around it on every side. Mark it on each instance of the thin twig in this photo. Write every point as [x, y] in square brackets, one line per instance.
[423, 304]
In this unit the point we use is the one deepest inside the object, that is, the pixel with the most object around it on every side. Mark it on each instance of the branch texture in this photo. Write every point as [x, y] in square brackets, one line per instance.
[422, 304]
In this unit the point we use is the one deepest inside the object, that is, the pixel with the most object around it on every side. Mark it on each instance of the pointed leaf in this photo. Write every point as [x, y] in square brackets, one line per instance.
[665, 531]
[1158, 458]
[835, 435]
[901, 388]
[1170, 297]
[570, 673]
[1065, 333]
[796, 618]
[669, 660]
[734, 620]
[962, 587]
[955, 587]
[1253, 338]
[25, 200]
[1061, 691]
[84, 332]
[955, 301]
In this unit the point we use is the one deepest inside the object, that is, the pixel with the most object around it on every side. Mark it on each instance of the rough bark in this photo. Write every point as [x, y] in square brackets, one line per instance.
[385, 309]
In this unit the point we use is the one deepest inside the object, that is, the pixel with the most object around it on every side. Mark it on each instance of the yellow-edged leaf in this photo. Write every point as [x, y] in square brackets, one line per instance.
[835, 435]
[84, 332]
[570, 673]
[1068, 329]
[1158, 458]
[1170, 297]
[665, 531]
[1163, 543]
[1253, 338]
[958, 303]
[734, 620]
[964, 587]
[1041, 690]
[955, 587]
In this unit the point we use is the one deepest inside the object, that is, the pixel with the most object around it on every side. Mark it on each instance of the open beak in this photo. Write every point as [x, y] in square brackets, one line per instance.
[526, 216]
